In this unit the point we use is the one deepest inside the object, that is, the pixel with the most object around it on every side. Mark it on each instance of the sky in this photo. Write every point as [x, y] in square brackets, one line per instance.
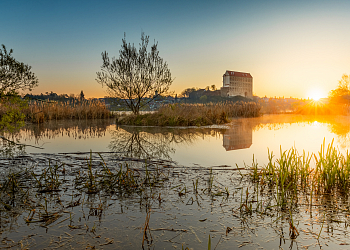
[291, 48]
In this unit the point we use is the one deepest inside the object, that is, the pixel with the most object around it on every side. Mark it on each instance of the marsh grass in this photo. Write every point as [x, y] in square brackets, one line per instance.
[293, 172]
[37, 190]
[193, 114]
[48, 180]
[272, 195]
[13, 192]
[124, 182]
[292, 175]
[38, 112]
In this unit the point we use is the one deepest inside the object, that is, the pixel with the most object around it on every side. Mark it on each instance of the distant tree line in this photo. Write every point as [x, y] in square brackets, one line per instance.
[208, 94]
[52, 96]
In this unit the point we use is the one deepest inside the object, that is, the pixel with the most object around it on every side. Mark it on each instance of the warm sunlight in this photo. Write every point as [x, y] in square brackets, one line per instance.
[316, 94]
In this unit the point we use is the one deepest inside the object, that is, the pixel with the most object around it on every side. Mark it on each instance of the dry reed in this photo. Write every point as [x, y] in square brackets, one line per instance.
[194, 114]
[39, 112]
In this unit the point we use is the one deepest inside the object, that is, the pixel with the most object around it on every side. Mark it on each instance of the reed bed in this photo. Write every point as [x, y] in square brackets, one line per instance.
[292, 174]
[31, 189]
[39, 112]
[66, 197]
[194, 114]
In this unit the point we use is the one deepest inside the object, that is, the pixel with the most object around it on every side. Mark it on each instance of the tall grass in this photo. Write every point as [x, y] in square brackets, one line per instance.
[293, 173]
[194, 114]
[292, 180]
[39, 112]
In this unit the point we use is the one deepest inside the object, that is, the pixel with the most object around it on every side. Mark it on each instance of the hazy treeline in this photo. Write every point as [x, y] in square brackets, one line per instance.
[52, 96]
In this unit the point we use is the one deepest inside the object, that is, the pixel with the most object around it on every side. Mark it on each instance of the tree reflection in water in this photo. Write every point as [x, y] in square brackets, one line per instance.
[152, 142]
[160, 142]
[83, 129]
[9, 149]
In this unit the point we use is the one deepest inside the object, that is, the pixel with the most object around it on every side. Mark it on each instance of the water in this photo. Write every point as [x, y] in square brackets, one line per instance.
[233, 144]
[180, 214]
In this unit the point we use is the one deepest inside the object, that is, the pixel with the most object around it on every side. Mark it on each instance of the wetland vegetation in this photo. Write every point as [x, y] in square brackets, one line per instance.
[136, 194]
[182, 182]
[127, 203]
[193, 114]
[132, 194]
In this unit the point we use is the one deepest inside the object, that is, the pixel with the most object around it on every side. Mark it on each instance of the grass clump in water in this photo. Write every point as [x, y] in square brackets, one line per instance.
[48, 180]
[125, 182]
[294, 172]
[193, 114]
[13, 191]
[294, 180]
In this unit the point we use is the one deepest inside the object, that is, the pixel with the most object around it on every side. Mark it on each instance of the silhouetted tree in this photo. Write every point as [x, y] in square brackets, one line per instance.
[187, 92]
[342, 93]
[82, 96]
[14, 75]
[136, 75]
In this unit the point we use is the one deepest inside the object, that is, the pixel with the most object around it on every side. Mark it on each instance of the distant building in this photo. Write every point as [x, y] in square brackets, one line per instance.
[237, 83]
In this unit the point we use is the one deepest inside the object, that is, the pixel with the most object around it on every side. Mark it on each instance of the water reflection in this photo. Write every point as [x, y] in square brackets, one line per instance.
[83, 129]
[152, 142]
[10, 148]
[219, 145]
[34, 135]
[238, 136]
[133, 142]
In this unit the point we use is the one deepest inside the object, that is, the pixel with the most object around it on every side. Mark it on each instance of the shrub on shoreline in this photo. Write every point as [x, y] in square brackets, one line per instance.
[193, 114]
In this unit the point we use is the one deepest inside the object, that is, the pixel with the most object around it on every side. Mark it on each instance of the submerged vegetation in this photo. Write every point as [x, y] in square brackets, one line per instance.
[193, 114]
[253, 205]
[40, 195]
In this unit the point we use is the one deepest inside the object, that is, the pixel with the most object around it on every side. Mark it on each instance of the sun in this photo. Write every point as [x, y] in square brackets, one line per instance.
[316, 95]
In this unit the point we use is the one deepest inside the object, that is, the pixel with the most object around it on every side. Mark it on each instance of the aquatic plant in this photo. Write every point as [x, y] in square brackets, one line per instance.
[278, 196]
[48, 179]
[12, 191]
[126, 181]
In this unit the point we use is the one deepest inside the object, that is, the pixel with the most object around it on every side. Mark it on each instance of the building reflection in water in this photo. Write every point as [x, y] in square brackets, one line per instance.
[238, 136]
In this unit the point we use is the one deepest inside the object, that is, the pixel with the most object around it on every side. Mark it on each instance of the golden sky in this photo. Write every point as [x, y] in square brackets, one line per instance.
[291, 48]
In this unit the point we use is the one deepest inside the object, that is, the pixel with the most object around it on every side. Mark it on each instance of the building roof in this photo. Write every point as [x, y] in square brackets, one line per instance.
[236, 73]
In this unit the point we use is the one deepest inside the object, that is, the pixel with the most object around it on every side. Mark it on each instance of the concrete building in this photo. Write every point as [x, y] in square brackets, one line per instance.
[237, 83]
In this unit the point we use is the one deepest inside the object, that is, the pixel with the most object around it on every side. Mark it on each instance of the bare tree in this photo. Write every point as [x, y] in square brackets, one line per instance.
[137, 76]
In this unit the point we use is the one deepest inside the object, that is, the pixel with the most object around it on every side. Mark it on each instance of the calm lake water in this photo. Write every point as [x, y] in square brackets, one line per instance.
[233, 144]
[198, 197]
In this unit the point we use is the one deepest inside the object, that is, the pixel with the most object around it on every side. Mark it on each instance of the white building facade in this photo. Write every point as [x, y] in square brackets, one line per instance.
[237, 83]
